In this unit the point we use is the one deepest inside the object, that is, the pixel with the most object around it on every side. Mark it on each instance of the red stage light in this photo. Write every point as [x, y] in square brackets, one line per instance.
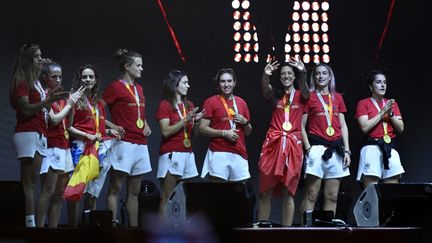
[247, 57]
[316, 48]
[315, 6]
[316, 59]
[247, 36]
[325, 38]
[246, 26]
[246, 47]
[246, 15]
[237, 47]
[237, 36]
[326, 48]
[237, 57]
[324, 17]
[236, 25]
[326, 58]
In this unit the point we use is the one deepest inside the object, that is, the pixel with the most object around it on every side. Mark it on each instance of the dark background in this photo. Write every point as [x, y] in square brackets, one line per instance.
[74, 33]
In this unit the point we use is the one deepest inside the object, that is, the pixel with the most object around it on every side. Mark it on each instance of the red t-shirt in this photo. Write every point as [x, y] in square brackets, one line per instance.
[295, 113]
[174, 143]
[317, 123]
[84, 121]
[124, 111]
[366, 107]
[56, 137]
[216, 113]
[37, 122]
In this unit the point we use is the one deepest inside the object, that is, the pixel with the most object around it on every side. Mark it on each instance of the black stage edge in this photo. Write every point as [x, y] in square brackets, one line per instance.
[291, 234]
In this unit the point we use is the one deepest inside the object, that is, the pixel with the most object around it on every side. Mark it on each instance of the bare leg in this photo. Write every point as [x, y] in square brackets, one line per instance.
[312, 188]
[49, 181]
[116, 179]
[167, 186]
[133, 189]
[331, 190]
[367, 180]
[57, 200]
[392, 180]
[73, 213]
[288, 208]
[30, 169]
[264, 205]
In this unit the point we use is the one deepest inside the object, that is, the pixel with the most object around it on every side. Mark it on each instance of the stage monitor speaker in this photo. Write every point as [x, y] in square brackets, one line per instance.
[398, 205]
[223, 204]
[12, 207]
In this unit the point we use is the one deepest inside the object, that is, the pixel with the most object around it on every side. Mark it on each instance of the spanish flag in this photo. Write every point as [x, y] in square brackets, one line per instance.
[86, 170]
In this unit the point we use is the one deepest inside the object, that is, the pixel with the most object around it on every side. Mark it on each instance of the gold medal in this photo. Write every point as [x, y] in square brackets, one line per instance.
[66, 134]
[287, 126]
[330, 131]
[387, 138]
[286, 109]
[231, 112]
[187, 142]
[140, 123]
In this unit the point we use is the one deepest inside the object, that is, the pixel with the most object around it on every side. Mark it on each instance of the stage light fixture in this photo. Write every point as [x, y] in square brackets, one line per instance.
[326, 58]
[315, 27]
[237, 36]
[246, 15]
[306, 48]
[296, 37]
[247, 36]
[325, 38]
[315, 16]
[246, 47]
[305, 16]
[326, 48]
[325, 6]
[247, 57]
[306, 37]
[316, 59]
[235, 4]
[296, 5]
[255, 58]
[236, 15]
[287, 48]
[305, 27]
[287, 37]
[237, 25]
[296, 27]
[316, 48]
[324, 27]
[255, 36]
[237, 47]
[295, 16]
[315, 6]
[324, 17]
[297, 48]
[305, 5]
[237, 57]
[306, 58]
[245, 4]
[246, 26]
[316, 38]
[256, 47]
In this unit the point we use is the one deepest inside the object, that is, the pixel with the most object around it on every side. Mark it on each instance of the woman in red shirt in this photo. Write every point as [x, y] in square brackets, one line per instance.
[379, 118]
[32, 104]
[325, 136]
[282, 152]
[178, 120]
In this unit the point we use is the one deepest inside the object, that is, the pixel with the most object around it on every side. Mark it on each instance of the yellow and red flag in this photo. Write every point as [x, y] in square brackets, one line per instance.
[86, 170]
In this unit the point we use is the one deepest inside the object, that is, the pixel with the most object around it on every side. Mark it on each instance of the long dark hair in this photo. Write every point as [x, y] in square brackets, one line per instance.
[278, 88]
[170, 85]
[24, 68]
[371, 76]
[94, 92]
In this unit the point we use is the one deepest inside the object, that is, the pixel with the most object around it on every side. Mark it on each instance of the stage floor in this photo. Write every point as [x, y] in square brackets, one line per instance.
[285, 234]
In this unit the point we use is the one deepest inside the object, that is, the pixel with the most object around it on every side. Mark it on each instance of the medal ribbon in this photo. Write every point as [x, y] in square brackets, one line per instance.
[230, 111]
[134, 95]
[379, 109]
[328, 109]
[287, 105]
[42, 94]
[95, 115]
[60, 107]
[183, 115]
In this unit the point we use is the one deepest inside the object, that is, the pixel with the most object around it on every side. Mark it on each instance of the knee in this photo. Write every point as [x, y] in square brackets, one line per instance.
[266, 195]
[311, 196]
[331, 197]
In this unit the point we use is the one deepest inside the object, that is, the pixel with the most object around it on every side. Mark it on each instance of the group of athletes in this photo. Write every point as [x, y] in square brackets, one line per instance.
[54, 129]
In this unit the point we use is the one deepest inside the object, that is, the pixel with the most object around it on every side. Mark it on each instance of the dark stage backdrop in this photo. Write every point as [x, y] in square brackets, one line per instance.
[74, 33]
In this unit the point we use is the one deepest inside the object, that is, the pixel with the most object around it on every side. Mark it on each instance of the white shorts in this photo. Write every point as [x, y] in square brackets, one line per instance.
[225, 165]
[95, 186]
[131, 158]
[58, 159]
[28, 143]
[371, 163]
[177, 163]
[331, 169]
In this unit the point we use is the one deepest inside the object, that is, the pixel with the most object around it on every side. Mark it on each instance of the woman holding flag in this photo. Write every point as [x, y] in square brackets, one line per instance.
[129, 157]
[226, 122]
[87, 127]
[379, 118]
[178, 119]
[325, 137]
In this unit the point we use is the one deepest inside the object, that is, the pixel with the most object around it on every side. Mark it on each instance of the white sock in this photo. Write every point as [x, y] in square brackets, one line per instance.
[30, 221]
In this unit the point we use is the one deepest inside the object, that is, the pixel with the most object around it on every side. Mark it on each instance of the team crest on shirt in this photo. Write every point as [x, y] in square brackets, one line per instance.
[175, 164]
[57, 158]
[120, 158]
[367, 166]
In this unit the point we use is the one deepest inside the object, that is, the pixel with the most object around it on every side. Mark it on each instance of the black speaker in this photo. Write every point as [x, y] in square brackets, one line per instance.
[223, 204]
[398, 205]
[12, 206]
